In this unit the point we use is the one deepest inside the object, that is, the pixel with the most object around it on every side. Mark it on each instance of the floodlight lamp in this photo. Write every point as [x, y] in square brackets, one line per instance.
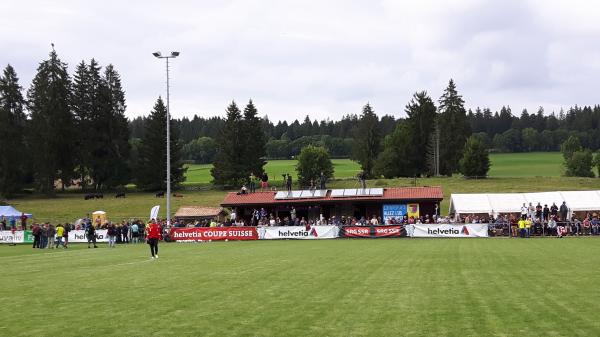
[156, 54]
[174, 53]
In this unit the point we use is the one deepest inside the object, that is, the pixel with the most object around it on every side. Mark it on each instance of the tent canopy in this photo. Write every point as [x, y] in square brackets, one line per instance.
[9, 211]
[496, 203]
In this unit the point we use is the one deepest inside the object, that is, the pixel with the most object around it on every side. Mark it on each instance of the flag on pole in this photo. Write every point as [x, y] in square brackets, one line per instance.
[154, 212]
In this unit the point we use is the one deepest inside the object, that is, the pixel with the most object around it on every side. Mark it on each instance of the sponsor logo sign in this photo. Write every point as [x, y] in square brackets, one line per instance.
[373, 231]
[9, 237]
[79, 236]
[396, 211]
[298, 232]
[451, 230]
[214, 233]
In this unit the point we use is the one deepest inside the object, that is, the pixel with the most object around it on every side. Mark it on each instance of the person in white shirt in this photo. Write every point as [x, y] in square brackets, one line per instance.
[524, 211]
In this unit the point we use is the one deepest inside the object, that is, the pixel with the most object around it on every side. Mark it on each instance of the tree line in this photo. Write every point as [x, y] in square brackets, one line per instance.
[72, 130]
[283, 140]
[503, 132]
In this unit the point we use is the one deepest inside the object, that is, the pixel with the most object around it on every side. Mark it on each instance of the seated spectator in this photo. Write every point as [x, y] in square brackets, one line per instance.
[552, 226]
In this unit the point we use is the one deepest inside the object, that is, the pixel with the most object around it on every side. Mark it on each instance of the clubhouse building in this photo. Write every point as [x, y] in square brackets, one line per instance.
[355, 202]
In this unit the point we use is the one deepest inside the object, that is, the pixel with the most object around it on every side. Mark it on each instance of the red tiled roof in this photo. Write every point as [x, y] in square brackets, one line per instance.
[395, 193]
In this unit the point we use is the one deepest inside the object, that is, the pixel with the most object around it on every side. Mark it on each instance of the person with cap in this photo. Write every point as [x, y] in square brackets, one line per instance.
[153, 237]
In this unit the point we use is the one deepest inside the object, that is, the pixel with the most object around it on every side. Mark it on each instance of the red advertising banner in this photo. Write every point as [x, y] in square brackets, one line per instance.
[357, 232]
[387, 231]
[373, 231]
[214, 233]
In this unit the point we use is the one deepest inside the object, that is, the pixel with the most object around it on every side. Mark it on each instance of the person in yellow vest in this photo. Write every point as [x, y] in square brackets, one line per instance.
[59, 235]
[528, 226]
[522, 227]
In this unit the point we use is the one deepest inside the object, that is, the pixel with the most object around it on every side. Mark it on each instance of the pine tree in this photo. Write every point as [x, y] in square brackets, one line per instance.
[112, 168]
[454, 129]
[52, 133]
[12, 141]
[150, 172]
[421, 122]
[228, 168]
[255, 140]
[81, 105]
[367, 140]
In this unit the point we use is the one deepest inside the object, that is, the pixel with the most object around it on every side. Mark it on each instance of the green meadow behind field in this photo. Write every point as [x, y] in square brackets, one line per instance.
[527, 164]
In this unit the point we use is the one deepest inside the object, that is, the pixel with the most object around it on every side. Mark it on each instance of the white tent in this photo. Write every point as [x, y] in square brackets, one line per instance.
[496, 203]
[505, 202]
[582, 200]
[9, 211]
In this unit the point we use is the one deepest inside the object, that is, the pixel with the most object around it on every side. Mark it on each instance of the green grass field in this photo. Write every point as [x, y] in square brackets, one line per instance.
[386, 287]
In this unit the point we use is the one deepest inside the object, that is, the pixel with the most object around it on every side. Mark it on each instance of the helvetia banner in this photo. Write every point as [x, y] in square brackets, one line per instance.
[214, 233]
[451, 231]
[373, 232]
[298, 232]
[79, 236]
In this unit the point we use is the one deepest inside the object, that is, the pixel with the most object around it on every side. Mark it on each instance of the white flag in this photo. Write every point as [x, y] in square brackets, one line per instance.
[154, 212]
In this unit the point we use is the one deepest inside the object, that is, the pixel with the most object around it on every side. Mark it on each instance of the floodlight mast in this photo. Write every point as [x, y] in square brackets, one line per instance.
[174, 54]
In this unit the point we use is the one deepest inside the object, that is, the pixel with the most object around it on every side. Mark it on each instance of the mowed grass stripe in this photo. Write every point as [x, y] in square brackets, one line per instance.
[413, 287]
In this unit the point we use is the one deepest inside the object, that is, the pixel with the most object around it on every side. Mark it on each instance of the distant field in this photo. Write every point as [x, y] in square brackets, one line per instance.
[530, 164]
[343, 287]
[343, 168]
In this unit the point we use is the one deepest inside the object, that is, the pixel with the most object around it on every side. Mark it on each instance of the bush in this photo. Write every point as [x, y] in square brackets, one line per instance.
[475, 161]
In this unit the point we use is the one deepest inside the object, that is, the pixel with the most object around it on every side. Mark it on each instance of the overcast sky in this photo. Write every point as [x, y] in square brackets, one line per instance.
[321, 58]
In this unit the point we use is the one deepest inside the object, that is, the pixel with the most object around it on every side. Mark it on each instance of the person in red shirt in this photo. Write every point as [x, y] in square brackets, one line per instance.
[153, 235]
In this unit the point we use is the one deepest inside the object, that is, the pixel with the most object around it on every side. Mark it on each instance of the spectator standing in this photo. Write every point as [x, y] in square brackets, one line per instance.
[252, 183]
[91, 235]
[111, 232]
[67, 229]
[135, 233]
[59, 235]
[51, 236]
[538, 212]
[293, 214]
[44, 236]
[36, 231]
[23, 221]
[522, 231]
[554, 210]
[564, 210]
[523, 212]
[288, 182]
[125, 232]
[531, 211]
[322, 181]
[264, 181]
[546, 212]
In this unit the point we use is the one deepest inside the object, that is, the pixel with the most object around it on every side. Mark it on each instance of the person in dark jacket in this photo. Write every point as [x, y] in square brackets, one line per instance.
[91, 235]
